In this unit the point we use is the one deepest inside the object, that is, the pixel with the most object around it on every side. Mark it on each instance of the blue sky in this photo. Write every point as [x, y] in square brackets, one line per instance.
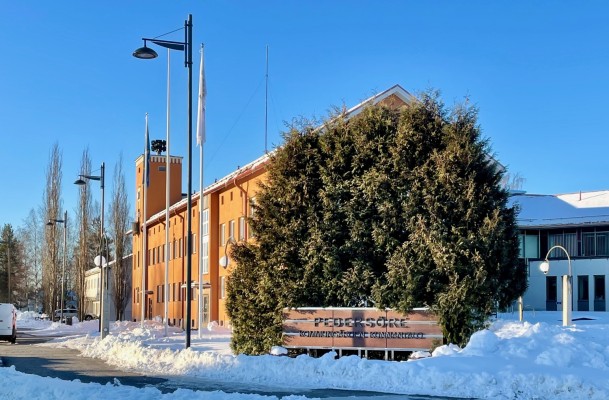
[536, 70]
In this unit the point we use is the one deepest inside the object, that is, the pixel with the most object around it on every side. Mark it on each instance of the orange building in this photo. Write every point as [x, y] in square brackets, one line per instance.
[223, 221]
[226, 207]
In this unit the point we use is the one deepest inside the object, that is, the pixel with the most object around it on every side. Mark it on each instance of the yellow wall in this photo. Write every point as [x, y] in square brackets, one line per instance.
[226, 201]
[233, 202]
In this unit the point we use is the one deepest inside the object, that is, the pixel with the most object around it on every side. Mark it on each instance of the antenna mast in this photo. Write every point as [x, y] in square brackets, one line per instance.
[266, 99]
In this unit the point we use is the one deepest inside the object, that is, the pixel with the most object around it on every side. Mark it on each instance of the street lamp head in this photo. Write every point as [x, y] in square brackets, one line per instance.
[545, 267]
[80, 182]
[145, 53]
[52, 221]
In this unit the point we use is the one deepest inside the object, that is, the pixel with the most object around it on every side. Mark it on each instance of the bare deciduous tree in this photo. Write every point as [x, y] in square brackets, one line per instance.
[84, 252]
[119, 220]
[512, 181]
[29, 237]
[51, 259]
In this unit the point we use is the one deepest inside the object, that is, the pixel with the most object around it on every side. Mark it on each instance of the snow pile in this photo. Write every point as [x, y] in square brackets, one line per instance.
[538, 359]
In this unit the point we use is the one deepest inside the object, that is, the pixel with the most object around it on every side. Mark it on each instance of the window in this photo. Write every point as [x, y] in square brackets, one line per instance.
[602, 243]
[588, 244]
[583, 294]
[551, 293]
[231, 229]
[252, 214]
[582, 288]
[241, 228]
[252, 205]
[222, 234]
[205, 230]
[566, 240]
[180, 247]
[529, 245]
[194, 243]
[599, 293]
[595, 243]
[222, 287]
[205, 251]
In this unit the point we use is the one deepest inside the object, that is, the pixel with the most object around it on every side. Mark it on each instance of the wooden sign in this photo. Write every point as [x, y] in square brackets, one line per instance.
[359, 328]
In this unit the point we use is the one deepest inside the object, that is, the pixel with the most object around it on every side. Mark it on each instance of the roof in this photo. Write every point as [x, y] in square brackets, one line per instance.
[562, 210]
[395, 90]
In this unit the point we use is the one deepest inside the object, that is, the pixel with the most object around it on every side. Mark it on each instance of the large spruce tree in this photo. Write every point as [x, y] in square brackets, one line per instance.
[388, 208]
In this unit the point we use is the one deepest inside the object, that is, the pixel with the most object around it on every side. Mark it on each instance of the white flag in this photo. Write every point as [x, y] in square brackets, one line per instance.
[201, 111]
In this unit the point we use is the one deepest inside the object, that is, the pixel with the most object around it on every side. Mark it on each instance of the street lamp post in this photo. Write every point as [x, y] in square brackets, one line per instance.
[225, 261]
[63, 221]
[567, 299]
[8, 266]
[147, 53]
[103, 320]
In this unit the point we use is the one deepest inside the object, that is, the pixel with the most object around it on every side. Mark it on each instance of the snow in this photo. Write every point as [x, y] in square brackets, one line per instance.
[563, 209]
[534, 359]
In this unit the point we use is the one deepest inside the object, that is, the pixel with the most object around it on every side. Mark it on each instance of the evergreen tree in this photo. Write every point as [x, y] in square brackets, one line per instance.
[12, 272]
[461, 256]
[391, 208]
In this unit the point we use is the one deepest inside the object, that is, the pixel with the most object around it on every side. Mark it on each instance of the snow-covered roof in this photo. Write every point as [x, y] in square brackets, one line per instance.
[562, 210]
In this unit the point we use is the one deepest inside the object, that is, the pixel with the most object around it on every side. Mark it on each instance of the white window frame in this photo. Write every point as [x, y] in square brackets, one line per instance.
[222, 234]
[242, 235]
[205, 251]
[205, 228]
[231, 229]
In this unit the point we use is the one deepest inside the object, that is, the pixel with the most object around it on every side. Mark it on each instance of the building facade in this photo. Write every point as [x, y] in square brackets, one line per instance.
[217, 222]
[93, 291]
[579, 223]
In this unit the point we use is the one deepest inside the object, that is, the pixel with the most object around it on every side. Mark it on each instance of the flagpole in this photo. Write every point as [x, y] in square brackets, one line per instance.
[167, 186]
[201, 141]
[144, 228]
[200, 240]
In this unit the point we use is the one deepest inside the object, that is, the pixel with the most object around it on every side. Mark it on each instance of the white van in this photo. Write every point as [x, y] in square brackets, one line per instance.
[8, 322]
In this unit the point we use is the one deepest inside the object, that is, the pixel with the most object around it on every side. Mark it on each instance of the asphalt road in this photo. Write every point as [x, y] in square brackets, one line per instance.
[65, 363]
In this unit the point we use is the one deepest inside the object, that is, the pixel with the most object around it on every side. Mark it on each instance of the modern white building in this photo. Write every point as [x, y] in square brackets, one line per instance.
[93, 292]
[579, 222]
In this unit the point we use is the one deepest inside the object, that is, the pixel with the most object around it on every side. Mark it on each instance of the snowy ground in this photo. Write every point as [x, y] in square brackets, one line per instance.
[535, 359]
